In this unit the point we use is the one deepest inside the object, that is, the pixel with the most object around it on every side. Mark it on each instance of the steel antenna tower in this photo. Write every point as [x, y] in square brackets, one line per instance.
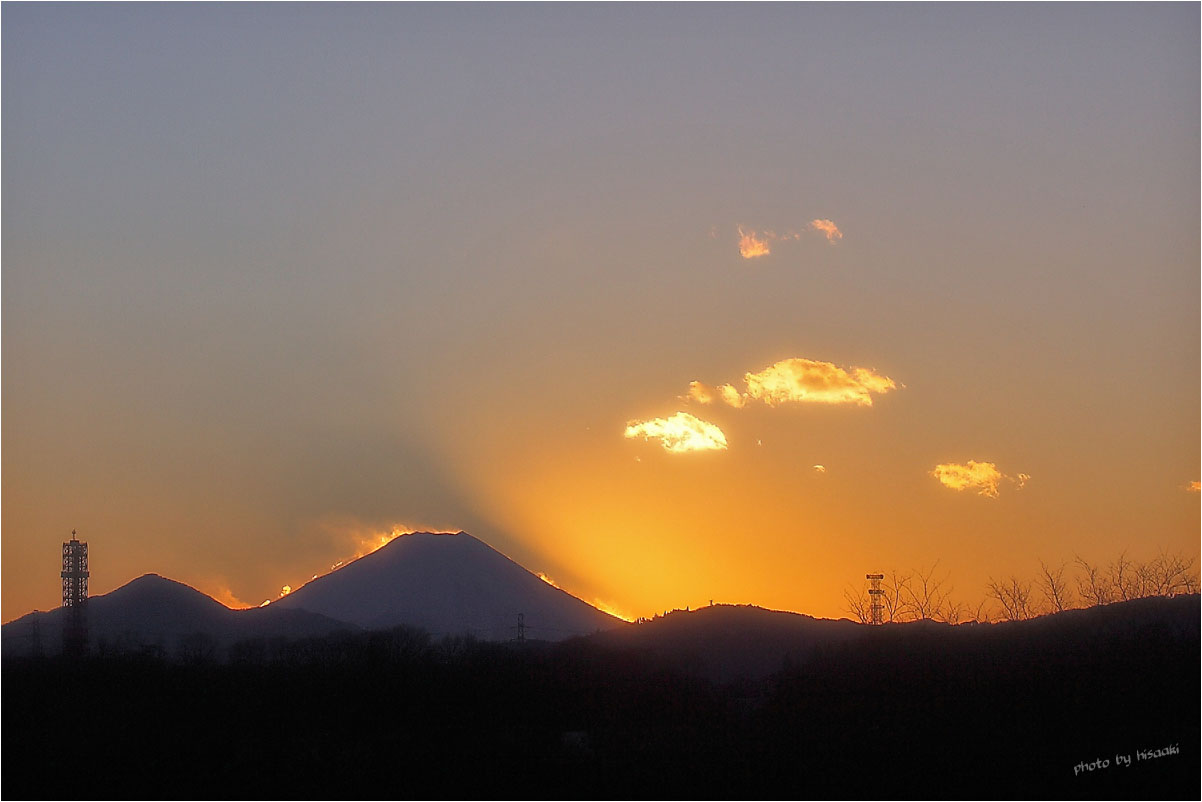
[875, 606]
[75, 596]
[521, 628]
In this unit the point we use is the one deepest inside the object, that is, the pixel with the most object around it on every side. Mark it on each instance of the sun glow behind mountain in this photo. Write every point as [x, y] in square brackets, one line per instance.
[366, 541]
[665, 325]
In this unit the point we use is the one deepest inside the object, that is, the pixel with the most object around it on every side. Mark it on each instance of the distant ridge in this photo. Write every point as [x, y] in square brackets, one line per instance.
[447, 584]
[161, 615]
[729, 642]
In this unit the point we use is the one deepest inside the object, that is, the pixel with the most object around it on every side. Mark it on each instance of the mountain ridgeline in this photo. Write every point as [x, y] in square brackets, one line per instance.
[445, 584]
[1049, 708]
[402, 675]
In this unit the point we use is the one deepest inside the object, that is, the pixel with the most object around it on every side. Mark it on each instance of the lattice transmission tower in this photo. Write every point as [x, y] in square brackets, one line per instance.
[75, 596]
[876, 606]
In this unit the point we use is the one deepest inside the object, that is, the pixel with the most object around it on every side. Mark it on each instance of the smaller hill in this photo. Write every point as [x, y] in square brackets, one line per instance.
[156, 614]
[725, 642]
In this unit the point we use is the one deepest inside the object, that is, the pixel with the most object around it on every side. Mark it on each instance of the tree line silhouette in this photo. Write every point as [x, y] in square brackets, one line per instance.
[926, 594]
[907, 711]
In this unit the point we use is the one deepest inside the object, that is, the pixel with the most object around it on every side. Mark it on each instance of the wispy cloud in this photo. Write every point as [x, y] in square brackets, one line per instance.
[680, 433]
[226, 596]
[819, 468]
[757, 242]
[983, 477]
[827, 227]
[704, 394]
[753, 244]
[1194, 487]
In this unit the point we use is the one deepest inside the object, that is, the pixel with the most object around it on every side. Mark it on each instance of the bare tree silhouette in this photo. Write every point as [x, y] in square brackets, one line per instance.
[1014, 596]
[1166, 574]
[927, 594]
[858, 604]
[1169, 575]
[896, 587]
[1057, 595]
[1092, 583]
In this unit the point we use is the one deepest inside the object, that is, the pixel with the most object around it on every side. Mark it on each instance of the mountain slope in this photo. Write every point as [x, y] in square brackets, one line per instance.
[725, 642]
[154, 612]
[447, 584]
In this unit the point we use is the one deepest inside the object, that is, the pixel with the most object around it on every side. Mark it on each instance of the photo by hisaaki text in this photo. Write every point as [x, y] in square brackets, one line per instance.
[1125, 760]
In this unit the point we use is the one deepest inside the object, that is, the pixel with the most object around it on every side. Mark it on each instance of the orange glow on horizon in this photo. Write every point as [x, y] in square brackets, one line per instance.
[605, 607]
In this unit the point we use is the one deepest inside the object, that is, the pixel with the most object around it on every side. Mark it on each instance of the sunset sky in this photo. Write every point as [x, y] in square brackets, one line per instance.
[670, 303]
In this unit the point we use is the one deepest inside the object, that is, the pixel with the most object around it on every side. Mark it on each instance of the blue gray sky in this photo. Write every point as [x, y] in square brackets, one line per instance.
[278, 278]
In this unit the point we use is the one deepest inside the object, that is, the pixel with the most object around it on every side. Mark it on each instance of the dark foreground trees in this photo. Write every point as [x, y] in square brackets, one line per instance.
[920, 710]
[926, 594]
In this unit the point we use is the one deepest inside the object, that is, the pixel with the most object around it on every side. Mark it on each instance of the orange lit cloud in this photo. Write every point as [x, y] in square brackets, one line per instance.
[680, 433]
[226, 596]
[1194, 487]
[704, 394]
[701, 393]
[799, 380]
[827, 227]
[807, 380]
[819, 468]
[984, 477]
[732, 396]
[753, 244]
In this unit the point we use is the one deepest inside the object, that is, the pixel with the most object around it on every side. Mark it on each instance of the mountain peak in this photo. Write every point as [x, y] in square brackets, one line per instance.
[448, 583]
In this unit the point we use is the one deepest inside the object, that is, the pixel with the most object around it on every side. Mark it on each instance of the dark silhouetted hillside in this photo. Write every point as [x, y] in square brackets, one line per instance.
[727, 642]
[152, 613]
[915, 711]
